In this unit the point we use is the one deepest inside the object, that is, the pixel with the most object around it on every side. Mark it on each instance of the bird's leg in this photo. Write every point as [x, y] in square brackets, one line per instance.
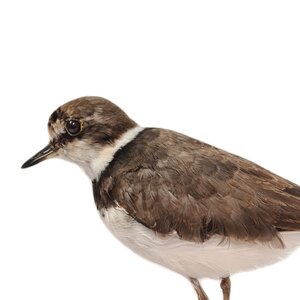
[225, 286]
[198, 288]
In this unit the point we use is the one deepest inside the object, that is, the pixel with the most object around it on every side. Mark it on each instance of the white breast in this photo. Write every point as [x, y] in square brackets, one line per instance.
[211, 259]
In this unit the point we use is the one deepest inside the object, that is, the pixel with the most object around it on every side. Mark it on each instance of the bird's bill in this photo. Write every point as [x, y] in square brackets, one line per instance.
[45, 153]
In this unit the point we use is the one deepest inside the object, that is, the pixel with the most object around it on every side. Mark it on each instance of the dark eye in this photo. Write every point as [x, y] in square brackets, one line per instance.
[73, 127]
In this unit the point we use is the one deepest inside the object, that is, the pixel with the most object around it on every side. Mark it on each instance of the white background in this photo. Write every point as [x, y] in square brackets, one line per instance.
[226, 72]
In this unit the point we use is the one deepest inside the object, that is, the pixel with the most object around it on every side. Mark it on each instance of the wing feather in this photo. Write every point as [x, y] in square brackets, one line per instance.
[172, 183]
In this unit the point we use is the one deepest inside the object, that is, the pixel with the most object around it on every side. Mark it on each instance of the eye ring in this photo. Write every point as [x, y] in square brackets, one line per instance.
[73, 127]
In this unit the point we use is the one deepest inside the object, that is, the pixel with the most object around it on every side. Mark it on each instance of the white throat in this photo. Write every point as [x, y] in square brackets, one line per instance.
[99, 158]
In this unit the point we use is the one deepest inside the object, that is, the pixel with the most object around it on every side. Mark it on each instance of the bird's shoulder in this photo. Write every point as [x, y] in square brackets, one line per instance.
[173, 183]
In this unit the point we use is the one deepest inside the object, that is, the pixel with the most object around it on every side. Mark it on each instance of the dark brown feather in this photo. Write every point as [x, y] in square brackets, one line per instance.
[172, 183]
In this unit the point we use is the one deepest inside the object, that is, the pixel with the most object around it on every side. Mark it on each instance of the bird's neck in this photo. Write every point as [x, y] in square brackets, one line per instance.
[101, 157]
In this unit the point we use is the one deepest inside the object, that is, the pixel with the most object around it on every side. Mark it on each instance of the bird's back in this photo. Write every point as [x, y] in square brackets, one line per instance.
[172, 183]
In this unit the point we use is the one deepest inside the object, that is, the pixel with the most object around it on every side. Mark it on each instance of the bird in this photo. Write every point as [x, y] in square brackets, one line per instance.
[191, 207]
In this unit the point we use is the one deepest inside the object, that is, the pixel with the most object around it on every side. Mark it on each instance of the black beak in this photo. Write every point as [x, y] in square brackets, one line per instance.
[40, 156]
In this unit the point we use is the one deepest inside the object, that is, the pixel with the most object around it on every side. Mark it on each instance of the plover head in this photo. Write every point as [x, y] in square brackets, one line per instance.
[87, 131]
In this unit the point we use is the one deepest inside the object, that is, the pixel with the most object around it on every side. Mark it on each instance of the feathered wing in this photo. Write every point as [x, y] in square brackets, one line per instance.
[172, 183]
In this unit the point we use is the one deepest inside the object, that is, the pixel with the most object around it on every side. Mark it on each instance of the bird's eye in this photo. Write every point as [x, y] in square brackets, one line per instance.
[73, 127]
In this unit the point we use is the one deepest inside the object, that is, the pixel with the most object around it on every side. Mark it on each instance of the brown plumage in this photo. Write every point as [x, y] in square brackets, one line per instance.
[173, 199]
[215, 192]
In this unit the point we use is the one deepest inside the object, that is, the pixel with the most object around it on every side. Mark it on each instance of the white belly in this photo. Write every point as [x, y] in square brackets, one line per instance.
[211, 259]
